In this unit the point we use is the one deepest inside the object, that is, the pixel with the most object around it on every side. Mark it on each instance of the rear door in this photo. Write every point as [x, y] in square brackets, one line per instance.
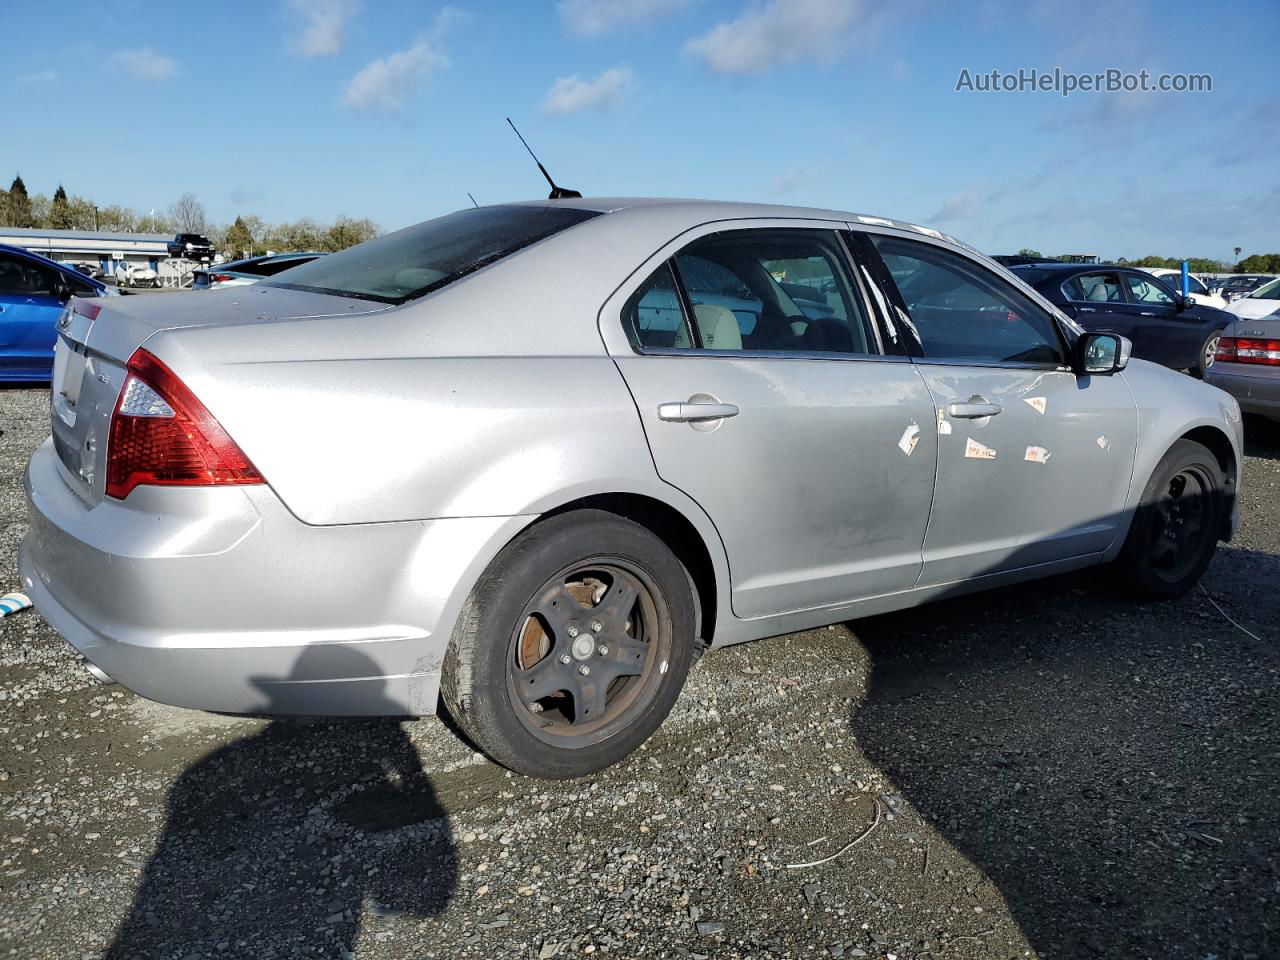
[28, 311]
[811, 450]
[1034, 463]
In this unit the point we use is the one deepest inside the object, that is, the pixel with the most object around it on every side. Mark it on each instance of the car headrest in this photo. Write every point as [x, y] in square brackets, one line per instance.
[718, 326]
[1097, 292]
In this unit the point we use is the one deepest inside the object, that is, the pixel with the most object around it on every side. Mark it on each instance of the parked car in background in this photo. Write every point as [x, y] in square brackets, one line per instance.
[237, 273]
[1163, 326]
[191, 246]
[1198, 290]
[1262, 301]
[1248, 364]
[1243, 284]
[551, 475]
[33, 294]
[136, 275]
[88, 269]
[1021, 259]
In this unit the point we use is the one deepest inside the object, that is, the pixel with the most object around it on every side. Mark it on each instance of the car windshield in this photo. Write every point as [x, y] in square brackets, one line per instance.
[413, 262]
[1270, 291]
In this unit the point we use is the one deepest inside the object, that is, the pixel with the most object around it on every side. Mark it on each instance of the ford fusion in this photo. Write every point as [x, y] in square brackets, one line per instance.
[530, 460]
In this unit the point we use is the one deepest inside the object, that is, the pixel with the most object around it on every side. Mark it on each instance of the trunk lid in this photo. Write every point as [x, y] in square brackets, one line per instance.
[96, 338]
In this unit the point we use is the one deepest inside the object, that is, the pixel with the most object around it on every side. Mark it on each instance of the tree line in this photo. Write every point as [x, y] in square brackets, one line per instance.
[1254, 263]
[249, 235]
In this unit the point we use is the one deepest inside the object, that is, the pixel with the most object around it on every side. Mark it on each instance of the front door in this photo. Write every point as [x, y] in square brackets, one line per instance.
[1163, 333]
[766, 398]
[1034, 463]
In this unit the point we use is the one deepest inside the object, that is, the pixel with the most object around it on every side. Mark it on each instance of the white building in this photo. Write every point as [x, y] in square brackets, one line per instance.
[106, 250]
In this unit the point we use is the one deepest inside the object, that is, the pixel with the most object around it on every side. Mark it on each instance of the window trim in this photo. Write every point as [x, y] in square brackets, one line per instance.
[844, 260]
[871, 251]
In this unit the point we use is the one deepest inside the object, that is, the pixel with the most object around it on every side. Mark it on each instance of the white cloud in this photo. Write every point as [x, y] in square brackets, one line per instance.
[386, 82]
[589, 18]
[781, 32]
[968, 204]
[571, 94]
[320, 26]
[789, 181]
[144, 64]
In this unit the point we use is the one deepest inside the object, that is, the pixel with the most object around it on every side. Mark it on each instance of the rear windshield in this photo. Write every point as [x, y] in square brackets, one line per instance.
[417, 260]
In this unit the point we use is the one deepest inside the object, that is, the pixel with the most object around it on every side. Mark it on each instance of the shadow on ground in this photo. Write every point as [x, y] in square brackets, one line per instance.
[1151, 830]
[283, 843]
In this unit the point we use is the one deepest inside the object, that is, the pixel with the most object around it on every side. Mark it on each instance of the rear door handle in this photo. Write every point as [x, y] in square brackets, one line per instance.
[1086, 310]
[1146, 313]
[974, 409]
[687, 412]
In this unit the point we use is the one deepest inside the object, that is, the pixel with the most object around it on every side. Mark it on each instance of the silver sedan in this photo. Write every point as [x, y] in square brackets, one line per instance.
[1248, 364]
[529, 460]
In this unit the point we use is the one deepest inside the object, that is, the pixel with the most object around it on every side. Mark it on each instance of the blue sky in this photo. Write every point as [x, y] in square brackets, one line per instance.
[394, 110]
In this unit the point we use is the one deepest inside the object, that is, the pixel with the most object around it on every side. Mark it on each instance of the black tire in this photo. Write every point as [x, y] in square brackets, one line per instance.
[1204, 359]
[520, 624]
[1175, 530]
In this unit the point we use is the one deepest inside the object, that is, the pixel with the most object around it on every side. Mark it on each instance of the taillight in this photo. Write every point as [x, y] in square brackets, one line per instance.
[1249, 350]
[162, 435]
[220, 278]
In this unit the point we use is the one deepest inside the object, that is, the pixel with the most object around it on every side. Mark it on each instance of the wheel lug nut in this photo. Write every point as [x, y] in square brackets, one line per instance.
[596, 626]
[572, 631]
[603, 649]
[584, 670]
[566, 659]
[535, 707]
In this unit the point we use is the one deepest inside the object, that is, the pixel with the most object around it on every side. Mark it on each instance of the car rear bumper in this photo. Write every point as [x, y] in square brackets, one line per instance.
[220, 599]
[1256, 388]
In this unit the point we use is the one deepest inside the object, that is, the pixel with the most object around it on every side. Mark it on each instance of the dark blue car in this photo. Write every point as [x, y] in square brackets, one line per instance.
[33, 291]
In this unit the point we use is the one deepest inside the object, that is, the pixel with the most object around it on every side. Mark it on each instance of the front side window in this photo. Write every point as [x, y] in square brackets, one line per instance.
[962, 311]
[773, 290]
[1147, 290]
[413, 262]
[1094, 288]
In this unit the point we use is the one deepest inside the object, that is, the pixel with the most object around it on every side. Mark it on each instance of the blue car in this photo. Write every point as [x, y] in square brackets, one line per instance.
[33, 291]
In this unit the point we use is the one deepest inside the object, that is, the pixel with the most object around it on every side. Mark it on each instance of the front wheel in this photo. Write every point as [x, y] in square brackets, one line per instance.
[573, 646]
[1175, 530]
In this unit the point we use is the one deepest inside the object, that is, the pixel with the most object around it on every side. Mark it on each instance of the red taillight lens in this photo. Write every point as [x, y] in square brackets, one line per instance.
[220, 278]
[162, 435]
[1249, 350]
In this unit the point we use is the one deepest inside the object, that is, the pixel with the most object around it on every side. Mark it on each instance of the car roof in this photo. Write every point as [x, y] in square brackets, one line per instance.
[701, 211]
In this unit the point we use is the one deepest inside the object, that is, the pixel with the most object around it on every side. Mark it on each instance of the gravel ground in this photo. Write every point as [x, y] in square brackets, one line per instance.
[1042, 771]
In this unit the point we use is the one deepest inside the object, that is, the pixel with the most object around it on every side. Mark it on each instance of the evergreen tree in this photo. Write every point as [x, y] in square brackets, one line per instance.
[19, 205]
[59, 213]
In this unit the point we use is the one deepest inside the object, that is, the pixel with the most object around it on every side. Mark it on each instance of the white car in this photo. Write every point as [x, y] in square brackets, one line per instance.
[1197, 289]
[136, 275]
[1261, 303]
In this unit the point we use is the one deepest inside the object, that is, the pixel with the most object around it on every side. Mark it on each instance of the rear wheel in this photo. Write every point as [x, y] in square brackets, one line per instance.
[1175, 530]
[573, 647]
[1208, 353]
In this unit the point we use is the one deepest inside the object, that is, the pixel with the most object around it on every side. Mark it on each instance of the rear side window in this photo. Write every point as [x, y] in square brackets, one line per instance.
[1094, 287]
[773, 290]
[962, 311]
[413, 262]
[654, 316]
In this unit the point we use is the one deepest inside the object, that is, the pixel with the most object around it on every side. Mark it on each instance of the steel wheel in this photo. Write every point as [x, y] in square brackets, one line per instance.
[588, 652]
[1181, 530]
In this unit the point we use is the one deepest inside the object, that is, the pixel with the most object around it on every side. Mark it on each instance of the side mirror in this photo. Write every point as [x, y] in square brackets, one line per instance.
[1183, 303]
[61, 290]
[1102, 354]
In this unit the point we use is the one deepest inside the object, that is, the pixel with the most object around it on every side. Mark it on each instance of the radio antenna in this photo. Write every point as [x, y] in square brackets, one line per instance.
[557, 193]
[472, 199]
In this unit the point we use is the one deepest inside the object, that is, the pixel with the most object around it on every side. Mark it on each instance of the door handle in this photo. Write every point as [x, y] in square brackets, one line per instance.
[1146, 313]
[1086, 310]
[975, 409]
[689, 412]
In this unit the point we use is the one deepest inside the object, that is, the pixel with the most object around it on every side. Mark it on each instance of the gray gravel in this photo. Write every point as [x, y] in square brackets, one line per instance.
[1057, 773]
